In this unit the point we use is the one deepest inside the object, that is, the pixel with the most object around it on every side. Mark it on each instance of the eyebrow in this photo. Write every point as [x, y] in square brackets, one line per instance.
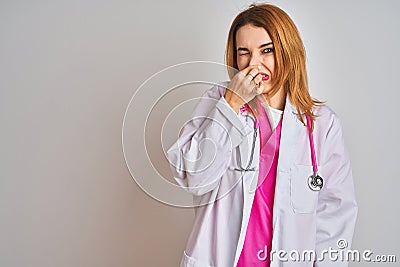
[261, 46]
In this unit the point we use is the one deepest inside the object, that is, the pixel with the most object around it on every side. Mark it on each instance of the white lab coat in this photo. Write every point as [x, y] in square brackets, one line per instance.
[217, 140]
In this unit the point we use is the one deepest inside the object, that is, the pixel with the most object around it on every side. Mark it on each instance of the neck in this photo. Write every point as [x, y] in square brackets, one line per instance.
[278, 100]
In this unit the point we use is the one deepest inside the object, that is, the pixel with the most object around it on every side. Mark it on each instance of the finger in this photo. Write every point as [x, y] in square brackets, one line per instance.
[246, 70]
[260, 88]
[250, 68]
[250, 76]
[258, 78]
[254, 85]
[254, 73]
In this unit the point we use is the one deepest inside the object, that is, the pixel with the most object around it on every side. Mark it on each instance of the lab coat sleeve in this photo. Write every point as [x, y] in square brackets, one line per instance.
[203, 151]
[337, 208]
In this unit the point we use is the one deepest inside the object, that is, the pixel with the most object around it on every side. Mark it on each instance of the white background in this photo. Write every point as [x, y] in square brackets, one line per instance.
[68, 70]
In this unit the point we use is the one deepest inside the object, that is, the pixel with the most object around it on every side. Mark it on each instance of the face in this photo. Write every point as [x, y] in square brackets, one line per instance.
[255, 47]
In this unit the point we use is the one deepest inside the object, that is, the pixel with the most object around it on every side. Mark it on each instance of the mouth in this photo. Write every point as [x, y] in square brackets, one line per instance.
[265, 77]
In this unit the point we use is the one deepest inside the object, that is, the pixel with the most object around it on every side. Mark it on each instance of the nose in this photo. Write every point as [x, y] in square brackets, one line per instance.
[255, 59]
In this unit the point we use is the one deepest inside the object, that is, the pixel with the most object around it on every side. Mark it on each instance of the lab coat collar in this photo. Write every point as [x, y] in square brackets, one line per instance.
[289, 106]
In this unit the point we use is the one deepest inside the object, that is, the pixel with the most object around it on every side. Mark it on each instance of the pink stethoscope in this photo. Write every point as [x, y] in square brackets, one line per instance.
[315, 182]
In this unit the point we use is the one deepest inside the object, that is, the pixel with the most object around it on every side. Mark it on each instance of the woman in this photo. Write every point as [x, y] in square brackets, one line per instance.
[251, 153]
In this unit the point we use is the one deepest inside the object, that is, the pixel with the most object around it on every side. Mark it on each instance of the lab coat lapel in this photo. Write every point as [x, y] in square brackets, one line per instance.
[291, 127]
[288, 149]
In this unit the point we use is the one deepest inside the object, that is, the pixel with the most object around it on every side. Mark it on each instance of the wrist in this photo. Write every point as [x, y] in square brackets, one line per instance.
[234, 101]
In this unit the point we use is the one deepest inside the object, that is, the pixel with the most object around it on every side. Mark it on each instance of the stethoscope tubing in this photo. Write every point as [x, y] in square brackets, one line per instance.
[312, 148]
[315, 182]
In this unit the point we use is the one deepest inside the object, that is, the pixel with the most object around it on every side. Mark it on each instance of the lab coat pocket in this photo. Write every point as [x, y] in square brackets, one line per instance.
[302, 198]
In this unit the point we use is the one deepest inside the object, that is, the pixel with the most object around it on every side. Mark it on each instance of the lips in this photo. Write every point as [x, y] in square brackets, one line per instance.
[265, 77]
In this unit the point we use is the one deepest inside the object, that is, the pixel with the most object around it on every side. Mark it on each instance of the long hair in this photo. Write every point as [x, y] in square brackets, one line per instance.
[289, 53]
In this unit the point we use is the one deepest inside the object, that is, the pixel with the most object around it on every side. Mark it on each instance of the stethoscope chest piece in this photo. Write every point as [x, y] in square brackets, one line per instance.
[315, 182]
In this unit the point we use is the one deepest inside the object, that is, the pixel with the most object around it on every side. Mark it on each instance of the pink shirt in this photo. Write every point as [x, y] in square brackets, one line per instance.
[259, 230]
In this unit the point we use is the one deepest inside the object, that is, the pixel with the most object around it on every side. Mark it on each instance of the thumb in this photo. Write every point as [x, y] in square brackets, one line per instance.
[260, 88]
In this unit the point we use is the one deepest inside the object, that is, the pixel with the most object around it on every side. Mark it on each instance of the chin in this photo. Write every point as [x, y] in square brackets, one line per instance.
[266, 90]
